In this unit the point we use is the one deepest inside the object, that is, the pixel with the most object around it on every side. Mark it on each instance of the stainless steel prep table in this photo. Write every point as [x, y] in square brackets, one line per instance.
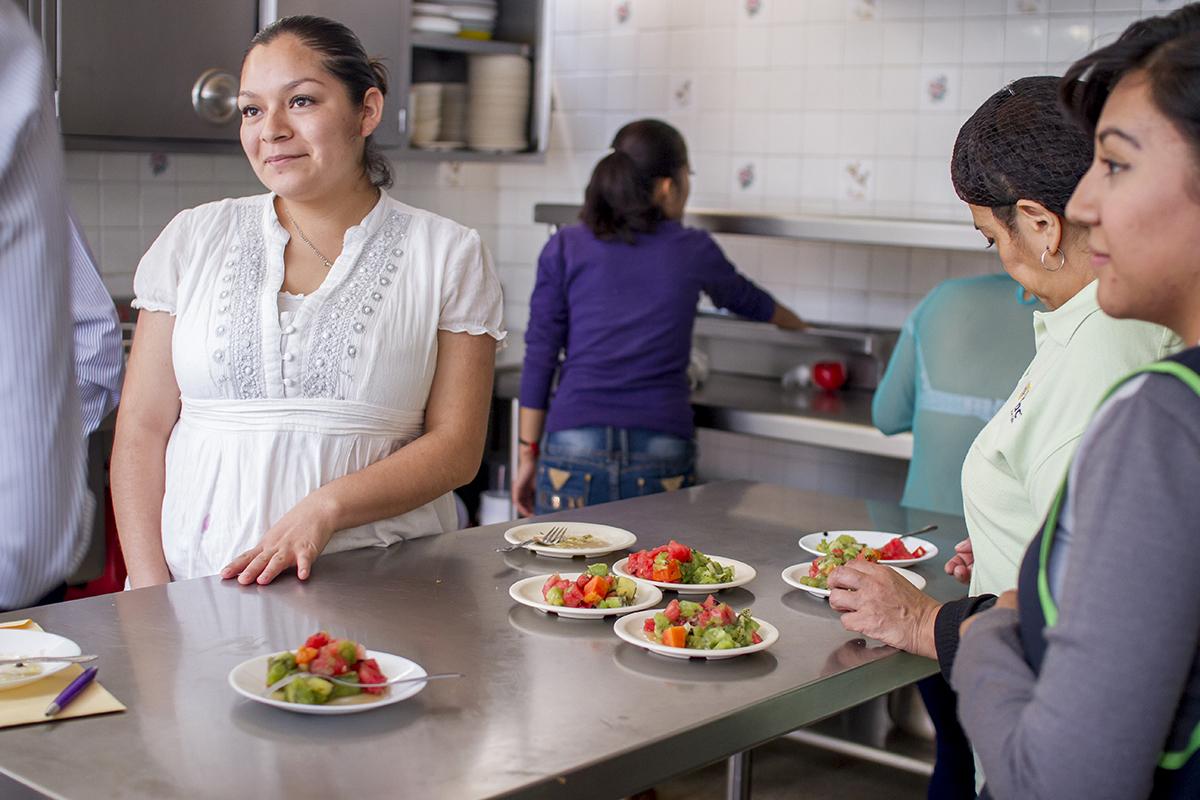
[761, 407]
[550, 708]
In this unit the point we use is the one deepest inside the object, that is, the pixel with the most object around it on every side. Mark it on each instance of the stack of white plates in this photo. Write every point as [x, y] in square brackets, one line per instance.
[434, 18]
[477, 17]
[425, 106]
[454, 114]
[498, 107]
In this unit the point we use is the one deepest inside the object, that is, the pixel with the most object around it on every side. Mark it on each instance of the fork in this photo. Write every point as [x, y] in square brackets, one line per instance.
[4, 662]
[284, 681]
[552, 536]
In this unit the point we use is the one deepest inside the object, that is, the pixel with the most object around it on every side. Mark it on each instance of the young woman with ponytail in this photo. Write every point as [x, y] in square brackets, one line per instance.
[618, 293]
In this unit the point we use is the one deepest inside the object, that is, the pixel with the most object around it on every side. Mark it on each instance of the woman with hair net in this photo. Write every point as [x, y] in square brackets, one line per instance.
[1015, 163]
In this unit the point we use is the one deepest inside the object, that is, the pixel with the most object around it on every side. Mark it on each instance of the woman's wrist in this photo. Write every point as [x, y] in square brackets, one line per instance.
[529, 447]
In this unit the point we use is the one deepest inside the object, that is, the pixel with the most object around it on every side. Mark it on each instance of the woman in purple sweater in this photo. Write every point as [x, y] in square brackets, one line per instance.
[617, 295]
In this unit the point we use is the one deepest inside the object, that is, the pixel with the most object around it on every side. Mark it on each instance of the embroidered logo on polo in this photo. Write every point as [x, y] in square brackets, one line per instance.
[1016, 411]
[342, 321]
[238, 307]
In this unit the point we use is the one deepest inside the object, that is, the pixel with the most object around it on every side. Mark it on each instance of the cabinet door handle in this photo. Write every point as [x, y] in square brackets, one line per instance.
[214, 96]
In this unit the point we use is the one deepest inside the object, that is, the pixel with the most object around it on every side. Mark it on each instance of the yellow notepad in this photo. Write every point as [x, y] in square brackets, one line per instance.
[27, 704]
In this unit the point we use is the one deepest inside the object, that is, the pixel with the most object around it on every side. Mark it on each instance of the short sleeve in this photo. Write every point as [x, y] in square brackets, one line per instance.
[156, 282]
[472, 300]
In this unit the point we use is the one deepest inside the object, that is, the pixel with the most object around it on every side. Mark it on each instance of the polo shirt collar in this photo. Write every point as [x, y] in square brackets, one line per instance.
[1061, 323]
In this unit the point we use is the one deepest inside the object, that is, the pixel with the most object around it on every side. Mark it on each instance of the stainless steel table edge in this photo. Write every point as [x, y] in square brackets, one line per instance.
[758, 724]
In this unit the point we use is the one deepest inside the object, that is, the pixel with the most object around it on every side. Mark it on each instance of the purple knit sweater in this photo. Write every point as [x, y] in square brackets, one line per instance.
[624, 315]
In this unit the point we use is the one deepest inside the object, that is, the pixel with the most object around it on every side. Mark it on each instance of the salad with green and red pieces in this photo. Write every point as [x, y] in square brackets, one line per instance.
[594, 588]
[677, 563]
[321, 656]
[702, 626]
[841, 550]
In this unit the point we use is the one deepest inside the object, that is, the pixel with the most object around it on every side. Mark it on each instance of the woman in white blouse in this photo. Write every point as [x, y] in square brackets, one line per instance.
[312, 367]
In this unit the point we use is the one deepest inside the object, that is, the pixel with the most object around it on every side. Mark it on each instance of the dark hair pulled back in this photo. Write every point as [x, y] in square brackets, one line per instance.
[1167, 49]
[619, 200]
[345, 59]
[1019, 145]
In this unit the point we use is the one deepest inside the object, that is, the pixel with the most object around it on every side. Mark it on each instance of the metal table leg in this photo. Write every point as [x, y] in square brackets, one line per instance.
[737, 776]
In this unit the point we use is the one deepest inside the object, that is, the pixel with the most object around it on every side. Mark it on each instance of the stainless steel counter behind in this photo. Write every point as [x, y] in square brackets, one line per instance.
[762, 407]
[550, 708]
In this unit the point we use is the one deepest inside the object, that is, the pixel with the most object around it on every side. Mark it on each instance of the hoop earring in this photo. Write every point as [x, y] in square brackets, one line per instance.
[1060, 263]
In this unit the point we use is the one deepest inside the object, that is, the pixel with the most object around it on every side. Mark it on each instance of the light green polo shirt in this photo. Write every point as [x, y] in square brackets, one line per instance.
[1014, 467]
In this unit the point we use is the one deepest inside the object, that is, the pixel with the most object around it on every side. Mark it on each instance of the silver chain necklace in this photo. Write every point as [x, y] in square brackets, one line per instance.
[328, 264]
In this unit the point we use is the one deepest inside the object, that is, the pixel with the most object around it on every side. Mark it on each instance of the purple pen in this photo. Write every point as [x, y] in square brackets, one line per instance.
[71, 692]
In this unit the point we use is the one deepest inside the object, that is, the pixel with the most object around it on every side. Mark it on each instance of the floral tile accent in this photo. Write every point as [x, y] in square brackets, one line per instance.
[746, 175]
[939, 87]
[864, 10]
[753, 7]
[858, 180]
[1028, 6]
[683, 94]
[623, 11]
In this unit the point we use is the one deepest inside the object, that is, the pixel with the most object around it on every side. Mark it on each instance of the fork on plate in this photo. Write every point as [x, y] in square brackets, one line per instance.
[284, 681]
[551, 537]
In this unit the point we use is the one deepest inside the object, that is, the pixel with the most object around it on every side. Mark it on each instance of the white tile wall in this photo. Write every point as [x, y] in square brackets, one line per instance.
[816, 106]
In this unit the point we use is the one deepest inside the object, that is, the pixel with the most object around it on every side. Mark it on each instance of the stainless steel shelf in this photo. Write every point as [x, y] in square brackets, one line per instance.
[857, 230]
[414, 153]
[456, 44]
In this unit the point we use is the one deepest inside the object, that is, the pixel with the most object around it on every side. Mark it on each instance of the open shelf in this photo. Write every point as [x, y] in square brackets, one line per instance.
[857, 230]
[456, 44]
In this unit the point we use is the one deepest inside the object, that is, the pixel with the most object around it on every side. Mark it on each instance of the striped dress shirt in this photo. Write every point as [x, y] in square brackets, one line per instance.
[44, 505]
[99, 355]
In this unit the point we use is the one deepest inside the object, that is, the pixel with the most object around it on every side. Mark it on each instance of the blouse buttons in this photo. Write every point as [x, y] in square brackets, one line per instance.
[224, 308]
[390, 267]
[352, 351]
[224, 293]
[227, 277]
[376, 296]
[368, 310]
[288, 382]
[320, 362]
[247, 370]
[359, 327]
[384, 280]
[289, 357]
[218, 355]
[220, 330]
[289, 330]
[397, 252]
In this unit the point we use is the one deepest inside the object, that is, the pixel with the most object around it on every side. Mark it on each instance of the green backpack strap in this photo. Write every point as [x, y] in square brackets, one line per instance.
[1169, 760]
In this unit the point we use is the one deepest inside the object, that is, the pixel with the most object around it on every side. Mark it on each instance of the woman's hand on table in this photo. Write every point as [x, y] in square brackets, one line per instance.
[1006, 600]
[877, 601]
[296, 540]
[962, 563]
[523, 485]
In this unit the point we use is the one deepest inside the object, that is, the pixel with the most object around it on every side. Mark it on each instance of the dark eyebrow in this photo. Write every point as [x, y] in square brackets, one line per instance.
[1118, 133]
[287, 88]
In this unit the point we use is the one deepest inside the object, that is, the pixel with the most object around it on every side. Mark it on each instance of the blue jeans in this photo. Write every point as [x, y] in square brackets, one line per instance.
[585, 466]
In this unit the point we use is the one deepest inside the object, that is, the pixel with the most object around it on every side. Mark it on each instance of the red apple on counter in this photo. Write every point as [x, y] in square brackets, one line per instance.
[829, 375]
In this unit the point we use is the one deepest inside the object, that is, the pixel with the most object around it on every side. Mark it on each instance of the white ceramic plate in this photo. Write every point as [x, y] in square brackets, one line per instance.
[249, 679]
[876, 539]
[631, 629]
[612, 539]
[743, 573]
[792, 575]
[33, 643]
[528, 591]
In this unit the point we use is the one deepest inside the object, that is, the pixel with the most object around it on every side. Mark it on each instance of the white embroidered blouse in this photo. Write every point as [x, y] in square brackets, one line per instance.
[276, 405]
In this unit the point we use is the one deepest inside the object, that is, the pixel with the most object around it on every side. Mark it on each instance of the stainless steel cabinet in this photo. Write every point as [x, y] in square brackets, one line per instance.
[162, 74]
[132, 70]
